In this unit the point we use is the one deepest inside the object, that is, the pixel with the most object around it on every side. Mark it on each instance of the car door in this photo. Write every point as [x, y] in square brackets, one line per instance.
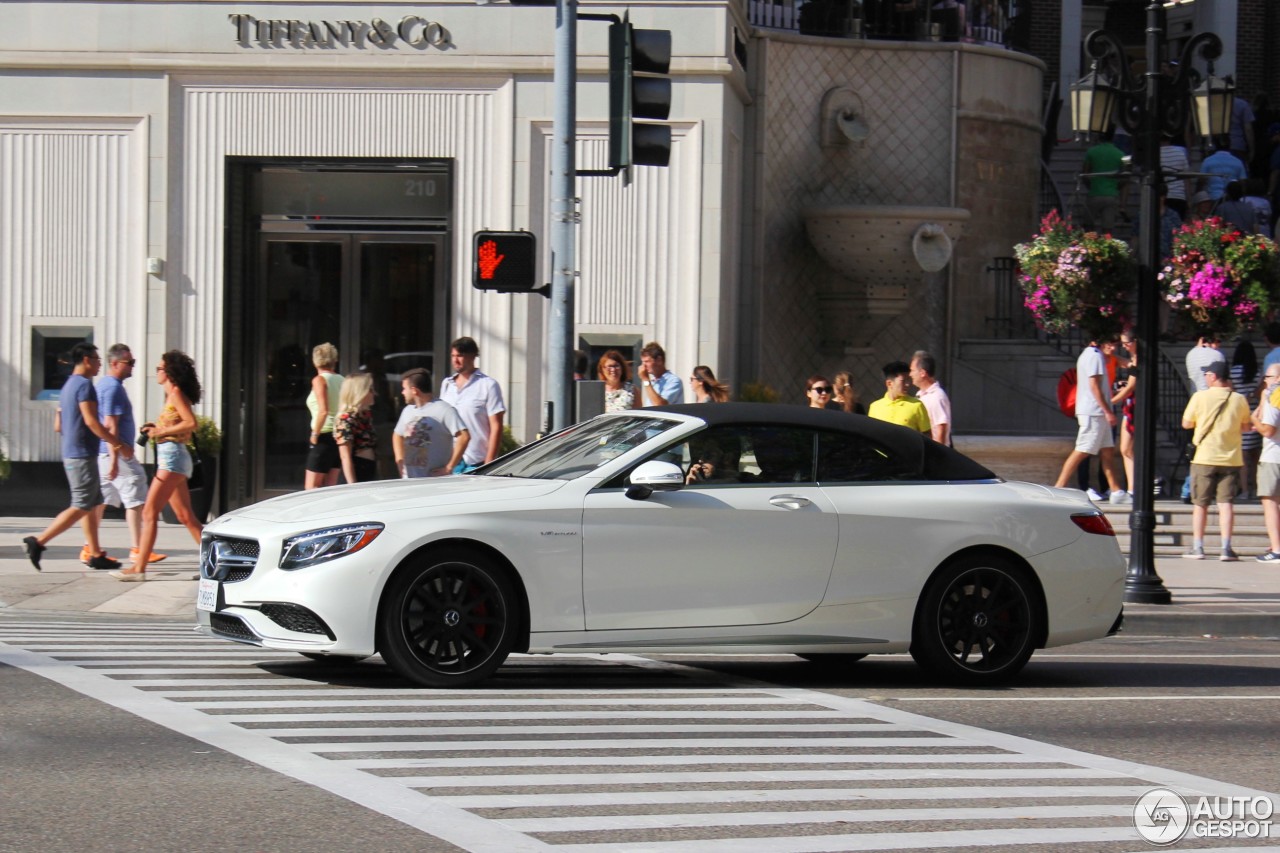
[750, 540]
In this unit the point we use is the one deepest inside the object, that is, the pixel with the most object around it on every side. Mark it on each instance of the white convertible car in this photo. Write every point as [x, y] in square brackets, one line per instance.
[734, 528]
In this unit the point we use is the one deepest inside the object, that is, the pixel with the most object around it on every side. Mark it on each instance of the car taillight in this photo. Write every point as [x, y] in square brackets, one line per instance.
[1094, 522]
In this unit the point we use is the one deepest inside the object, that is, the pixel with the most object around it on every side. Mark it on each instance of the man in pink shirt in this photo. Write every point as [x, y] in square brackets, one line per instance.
[929, 391]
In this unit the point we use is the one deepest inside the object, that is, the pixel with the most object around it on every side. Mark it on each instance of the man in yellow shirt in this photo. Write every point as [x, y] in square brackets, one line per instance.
[1218, 415]
[897, 406]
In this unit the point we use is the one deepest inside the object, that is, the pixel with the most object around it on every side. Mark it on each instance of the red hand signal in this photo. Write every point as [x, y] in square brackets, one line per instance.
[488, 258]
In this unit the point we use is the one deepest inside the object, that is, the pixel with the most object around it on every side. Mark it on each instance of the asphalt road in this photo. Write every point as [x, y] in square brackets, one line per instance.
[136, 735]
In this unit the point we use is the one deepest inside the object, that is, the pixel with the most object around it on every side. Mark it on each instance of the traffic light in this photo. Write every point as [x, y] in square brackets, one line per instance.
[635, 52]
[505, 261]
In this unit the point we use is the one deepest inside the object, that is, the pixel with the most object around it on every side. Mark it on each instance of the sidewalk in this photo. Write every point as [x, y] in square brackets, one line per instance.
[1209, 598]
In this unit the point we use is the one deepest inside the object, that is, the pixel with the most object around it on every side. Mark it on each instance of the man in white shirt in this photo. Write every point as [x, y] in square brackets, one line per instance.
[929, 391]
[1096, 420]
[429, 438]
[1266, 420]
[478, 400]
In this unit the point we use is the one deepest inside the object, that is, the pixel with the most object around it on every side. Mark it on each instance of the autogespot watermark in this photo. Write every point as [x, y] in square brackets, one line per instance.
[1164, 817]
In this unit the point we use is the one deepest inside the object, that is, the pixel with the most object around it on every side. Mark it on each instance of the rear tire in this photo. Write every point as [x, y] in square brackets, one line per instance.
[448, 619]
[977, 622]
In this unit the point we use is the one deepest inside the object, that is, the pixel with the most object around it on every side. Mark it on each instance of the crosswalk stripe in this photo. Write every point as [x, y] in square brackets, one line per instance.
[591, 823]
[662, 756]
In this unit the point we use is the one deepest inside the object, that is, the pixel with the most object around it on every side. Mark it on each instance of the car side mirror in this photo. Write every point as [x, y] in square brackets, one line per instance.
[654, 476]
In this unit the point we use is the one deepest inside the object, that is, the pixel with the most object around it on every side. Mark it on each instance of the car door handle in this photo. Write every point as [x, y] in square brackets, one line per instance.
[789, 501]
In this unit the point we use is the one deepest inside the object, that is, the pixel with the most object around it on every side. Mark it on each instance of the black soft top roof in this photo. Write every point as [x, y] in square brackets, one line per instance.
[933, 460]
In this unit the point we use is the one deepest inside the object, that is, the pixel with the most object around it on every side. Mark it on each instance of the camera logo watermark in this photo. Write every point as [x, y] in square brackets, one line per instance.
[1164, 817]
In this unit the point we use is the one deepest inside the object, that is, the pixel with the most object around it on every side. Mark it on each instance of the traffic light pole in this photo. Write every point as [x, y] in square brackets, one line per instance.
[564, 217]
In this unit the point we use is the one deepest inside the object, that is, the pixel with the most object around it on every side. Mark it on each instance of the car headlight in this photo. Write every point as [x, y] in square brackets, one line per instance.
[319, 546]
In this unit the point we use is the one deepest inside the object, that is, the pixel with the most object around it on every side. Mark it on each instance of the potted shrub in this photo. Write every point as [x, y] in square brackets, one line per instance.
[1219, 280]
[1075, 278]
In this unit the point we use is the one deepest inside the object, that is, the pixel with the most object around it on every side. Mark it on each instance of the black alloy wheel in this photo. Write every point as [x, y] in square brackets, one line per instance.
[977, 622]
[448, 620]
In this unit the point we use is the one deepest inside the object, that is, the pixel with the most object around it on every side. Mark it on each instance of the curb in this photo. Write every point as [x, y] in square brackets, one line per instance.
[1174, 621]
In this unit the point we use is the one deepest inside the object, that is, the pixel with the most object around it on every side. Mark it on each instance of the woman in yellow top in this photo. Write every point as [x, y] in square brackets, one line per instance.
[176, 373]
[323, 463]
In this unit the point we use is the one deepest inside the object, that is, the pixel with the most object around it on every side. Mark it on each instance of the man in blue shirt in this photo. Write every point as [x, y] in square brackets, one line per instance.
[124, 482]
[1222, 167]
[77, 421]
[658, 386]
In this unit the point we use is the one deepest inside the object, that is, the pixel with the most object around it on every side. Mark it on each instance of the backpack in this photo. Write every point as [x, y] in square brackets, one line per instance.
[1067, 392]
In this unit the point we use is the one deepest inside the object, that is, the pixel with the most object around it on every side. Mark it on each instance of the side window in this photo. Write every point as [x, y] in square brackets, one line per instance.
[846, 458]
[744, 455]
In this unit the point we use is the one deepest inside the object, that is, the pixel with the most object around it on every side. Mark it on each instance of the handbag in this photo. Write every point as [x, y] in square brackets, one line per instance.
[196, 480]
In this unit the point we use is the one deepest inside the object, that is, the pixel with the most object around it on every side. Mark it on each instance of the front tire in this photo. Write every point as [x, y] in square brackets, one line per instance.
[448, 620]
[977, 622]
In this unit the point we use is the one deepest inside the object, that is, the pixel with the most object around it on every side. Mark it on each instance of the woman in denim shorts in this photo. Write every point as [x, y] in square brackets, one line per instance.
[172, 431]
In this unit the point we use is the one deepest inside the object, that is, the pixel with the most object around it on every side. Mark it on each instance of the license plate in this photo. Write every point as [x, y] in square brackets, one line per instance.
[207, 595]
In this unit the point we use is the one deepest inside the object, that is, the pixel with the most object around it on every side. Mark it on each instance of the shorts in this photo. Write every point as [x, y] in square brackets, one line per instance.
[86, 486]
[1214, 483]
[174, 457]
[129, 488]
[1269, 479]
[323, 456]
[465, 467]
[1095, 434]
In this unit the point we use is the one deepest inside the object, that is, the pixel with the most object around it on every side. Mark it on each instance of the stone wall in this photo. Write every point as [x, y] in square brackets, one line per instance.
[949, 125]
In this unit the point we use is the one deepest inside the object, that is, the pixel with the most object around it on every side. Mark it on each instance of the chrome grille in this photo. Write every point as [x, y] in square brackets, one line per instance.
[226, 559]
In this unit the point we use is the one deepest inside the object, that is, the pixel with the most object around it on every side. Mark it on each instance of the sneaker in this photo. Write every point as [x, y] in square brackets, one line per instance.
[1093, 496]
[154, 558]
[102, 561]
[34, 550]
[1121, 497]
[1269, 557]
[1196, 553]
[1229, 556]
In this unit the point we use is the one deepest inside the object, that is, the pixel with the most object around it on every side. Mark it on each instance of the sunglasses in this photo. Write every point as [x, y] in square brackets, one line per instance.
[821, 389]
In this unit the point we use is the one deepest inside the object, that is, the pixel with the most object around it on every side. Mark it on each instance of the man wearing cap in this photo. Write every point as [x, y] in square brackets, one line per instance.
[1218, 415]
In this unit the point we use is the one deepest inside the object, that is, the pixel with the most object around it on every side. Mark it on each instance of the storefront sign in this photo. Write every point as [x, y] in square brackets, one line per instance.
[411, 31]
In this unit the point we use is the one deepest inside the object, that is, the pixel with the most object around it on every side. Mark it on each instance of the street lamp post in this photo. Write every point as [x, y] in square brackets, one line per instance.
[1148, 109]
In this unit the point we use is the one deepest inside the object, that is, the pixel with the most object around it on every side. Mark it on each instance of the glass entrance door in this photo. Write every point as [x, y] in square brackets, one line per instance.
[376, 297]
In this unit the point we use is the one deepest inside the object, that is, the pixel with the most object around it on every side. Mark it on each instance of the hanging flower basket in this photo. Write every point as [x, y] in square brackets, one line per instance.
[1075, 278]
[1220, 280]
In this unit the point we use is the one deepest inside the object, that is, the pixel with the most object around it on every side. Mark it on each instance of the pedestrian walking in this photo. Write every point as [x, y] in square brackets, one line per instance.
[1095, 420]
[354, 432]
[172, 431]
[706, 388]
[123, 480]
[77, 421]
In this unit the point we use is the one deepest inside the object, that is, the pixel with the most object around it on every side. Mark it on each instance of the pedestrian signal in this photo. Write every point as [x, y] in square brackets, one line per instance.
[505, 261]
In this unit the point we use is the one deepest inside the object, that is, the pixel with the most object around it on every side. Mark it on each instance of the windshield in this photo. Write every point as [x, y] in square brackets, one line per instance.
[580, 449]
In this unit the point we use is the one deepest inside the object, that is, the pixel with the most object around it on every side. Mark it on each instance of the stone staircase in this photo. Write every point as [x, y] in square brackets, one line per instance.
[1173, 529]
